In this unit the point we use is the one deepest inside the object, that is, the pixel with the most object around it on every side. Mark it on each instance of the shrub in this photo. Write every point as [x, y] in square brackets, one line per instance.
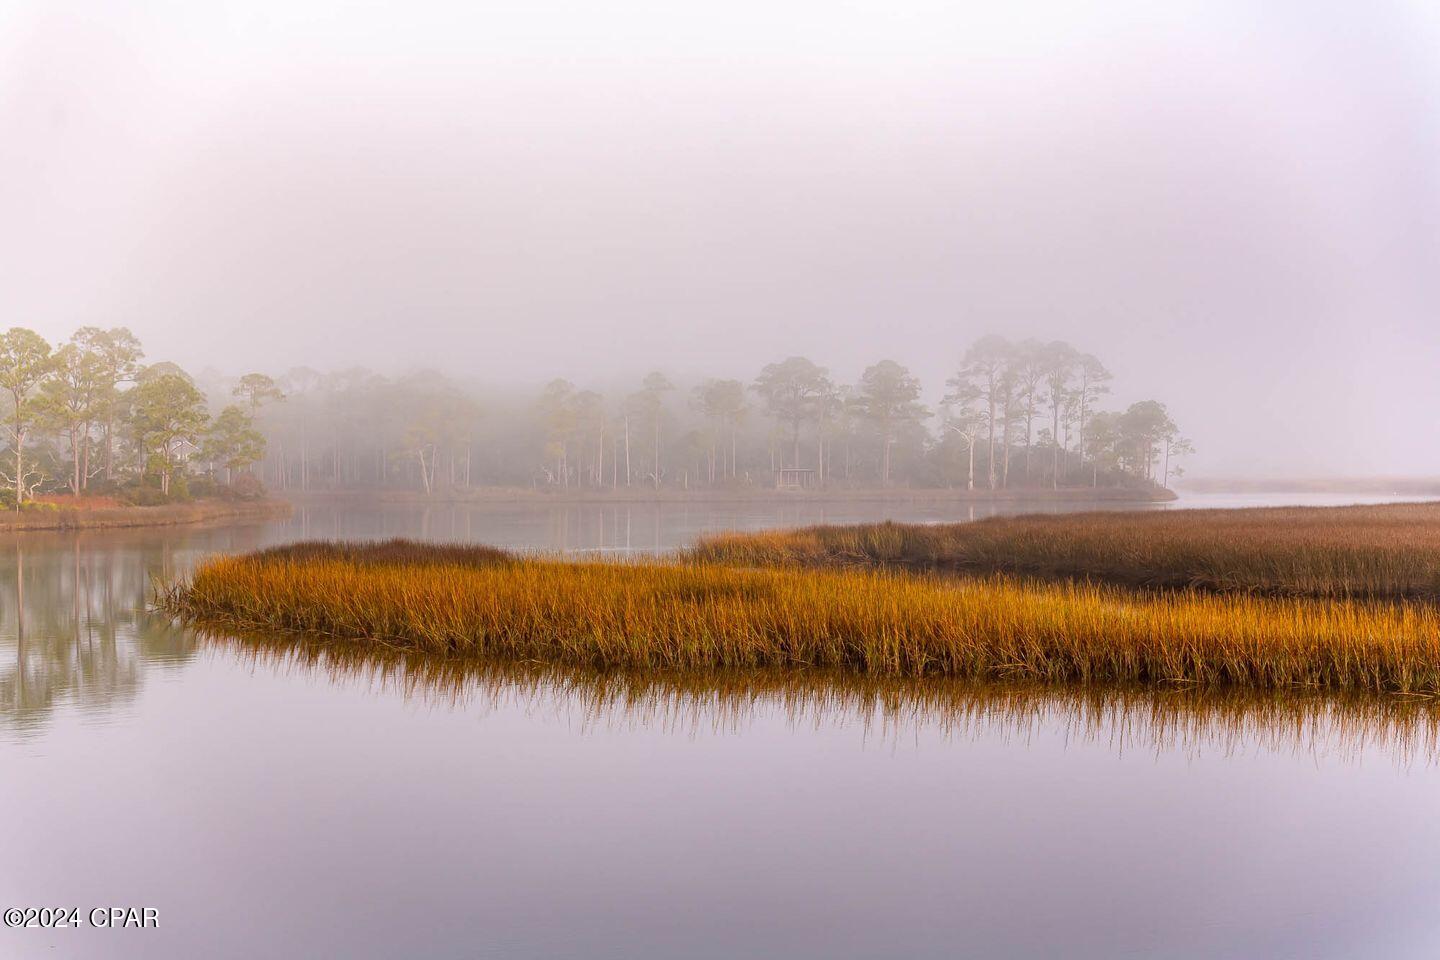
[141, 494]
[245, 486]
[201, 488]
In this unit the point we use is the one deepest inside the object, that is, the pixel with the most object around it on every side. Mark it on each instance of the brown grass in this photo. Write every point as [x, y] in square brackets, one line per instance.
[693, 615]
[1379, 552]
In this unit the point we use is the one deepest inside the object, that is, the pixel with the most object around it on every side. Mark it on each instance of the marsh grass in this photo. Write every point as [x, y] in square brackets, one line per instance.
[1375, 552]
[690, 615]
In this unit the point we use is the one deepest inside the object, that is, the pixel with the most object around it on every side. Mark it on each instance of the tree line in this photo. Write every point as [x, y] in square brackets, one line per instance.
[89, 415]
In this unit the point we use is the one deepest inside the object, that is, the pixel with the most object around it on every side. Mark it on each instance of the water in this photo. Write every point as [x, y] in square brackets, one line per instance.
[273, 801]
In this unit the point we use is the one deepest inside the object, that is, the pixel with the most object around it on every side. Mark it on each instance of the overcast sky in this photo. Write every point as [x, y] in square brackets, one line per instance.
[1236, 206]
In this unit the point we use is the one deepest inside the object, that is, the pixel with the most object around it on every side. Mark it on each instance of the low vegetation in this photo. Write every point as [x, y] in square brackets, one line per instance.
[1375, 552]
[686, 614]
[96, 514]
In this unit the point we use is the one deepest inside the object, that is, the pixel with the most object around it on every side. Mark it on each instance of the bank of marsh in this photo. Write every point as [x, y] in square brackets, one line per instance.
[682, 615]
[1381, 552]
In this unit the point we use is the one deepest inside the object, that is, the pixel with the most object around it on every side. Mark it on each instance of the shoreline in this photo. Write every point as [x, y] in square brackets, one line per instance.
[504, 495]
[168, 515]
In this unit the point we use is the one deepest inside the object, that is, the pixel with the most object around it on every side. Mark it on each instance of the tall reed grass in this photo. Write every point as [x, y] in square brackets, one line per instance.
[693, 615]
[1380, 552]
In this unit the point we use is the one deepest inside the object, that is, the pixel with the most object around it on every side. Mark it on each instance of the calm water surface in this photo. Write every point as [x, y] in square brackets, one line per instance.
[274, 801]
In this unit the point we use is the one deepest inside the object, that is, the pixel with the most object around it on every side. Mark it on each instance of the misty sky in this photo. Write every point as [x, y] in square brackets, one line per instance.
[1237, 206]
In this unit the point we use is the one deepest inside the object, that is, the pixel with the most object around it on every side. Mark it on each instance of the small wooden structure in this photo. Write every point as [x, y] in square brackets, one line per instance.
[794, 478]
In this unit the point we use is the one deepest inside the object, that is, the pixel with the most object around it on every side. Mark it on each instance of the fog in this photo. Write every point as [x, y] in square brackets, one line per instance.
[1237, 206]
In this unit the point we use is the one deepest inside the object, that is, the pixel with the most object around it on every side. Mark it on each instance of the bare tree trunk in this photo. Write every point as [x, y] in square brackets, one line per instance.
[109, 450]
[990, 439]
[1029, 434]
[628, 474]
[1055, 448]
[1005, 442]
[732, 450]
[19, 457]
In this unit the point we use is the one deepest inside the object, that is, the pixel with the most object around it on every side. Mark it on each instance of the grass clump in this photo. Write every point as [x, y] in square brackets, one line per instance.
[688, 615]
[1379, 552]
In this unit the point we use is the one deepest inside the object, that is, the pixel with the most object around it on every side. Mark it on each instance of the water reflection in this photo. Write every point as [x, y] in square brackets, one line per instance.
[64, 613]
[75, 620]
[628, 528]
[1186, 720]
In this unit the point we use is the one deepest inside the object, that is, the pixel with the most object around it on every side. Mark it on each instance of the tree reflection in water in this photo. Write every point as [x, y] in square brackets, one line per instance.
[75, 624]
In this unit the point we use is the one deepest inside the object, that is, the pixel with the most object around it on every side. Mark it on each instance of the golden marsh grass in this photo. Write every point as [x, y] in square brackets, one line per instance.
[688, 615]
[1380, 552]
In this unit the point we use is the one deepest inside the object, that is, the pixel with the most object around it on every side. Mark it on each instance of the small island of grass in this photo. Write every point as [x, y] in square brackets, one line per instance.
[704, 610]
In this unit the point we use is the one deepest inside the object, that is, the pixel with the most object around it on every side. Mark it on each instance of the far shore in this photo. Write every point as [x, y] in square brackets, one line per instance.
[53, 515]
[482, 495]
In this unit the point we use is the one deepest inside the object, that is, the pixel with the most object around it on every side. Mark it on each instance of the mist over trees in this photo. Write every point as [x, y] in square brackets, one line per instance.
[90, 416]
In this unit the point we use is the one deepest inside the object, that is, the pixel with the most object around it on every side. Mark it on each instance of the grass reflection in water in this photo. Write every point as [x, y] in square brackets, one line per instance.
[1188, 719]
